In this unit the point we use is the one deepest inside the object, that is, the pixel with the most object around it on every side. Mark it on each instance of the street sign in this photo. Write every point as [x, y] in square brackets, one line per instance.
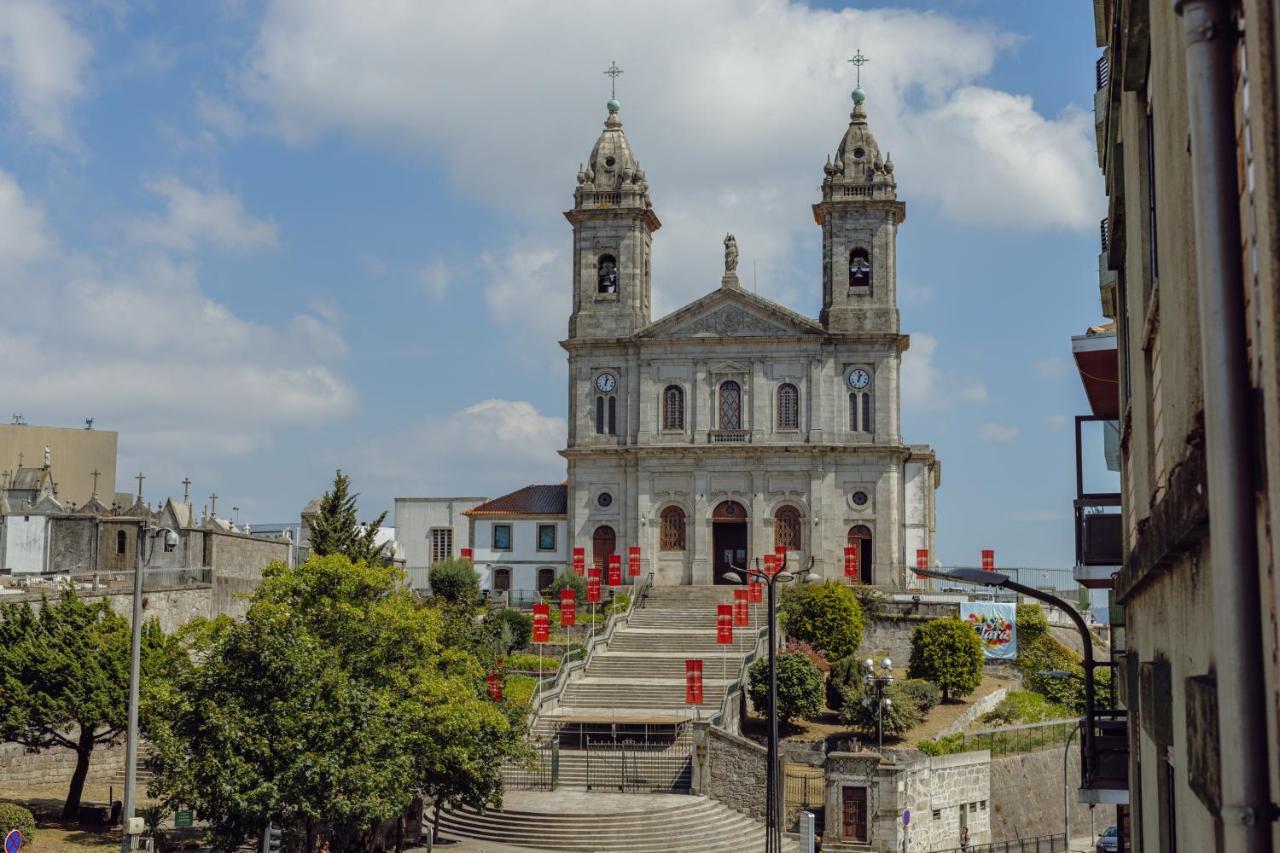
[12, 841]
[182, 819]
[906, 817]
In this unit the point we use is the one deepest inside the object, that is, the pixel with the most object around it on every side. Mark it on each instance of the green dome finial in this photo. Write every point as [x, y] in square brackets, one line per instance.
[613, 105]
[859, 96]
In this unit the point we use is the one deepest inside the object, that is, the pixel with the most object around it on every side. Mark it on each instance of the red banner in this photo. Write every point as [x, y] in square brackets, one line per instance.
[693, 682]
[741, 609]
[568, 608]
[633, 561]
[579, 560]
[593, 586]
[541, 623]
[615, 570]
[770, 564]
[922, 558]
[724, 624]
[780, 551]
[989, 560]
[755, 592]
[494, 683]
[466, 554]
[851, 561]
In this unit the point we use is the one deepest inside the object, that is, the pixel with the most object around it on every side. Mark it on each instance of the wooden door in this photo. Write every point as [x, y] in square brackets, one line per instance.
[853, 814]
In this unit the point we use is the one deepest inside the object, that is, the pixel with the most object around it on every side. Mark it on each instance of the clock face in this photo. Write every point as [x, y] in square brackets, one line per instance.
[606, 382]
[859, 379]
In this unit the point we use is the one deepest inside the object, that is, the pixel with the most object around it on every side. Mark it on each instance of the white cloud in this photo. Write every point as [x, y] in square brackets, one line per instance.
[732, 129]
[42, 64]
[998, 433]
[1051, 367]
[528, 291]
[220, 115]
[928, 387]
[23, 236]
[434, 278]
[1056, 421]
[213, 217]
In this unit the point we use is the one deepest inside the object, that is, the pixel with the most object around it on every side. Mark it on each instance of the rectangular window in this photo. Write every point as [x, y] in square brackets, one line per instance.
[867, 423]
[441, 544]
[613, 416]
[502, 537]
[546, 537]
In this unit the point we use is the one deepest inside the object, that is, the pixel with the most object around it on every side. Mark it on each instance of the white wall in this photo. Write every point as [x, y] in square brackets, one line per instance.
[524, 559]
[415, 517]
[25, 538]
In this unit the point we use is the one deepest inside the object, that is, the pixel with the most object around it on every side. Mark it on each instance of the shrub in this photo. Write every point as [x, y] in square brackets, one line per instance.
[1023, 706]
[1047, 653]
[14, 816]
[513, 629]
[944, 745]
[518, 689]
[827, 616]
[799, 687]
[455, 581]
[926, 693]
[845, 675]
[1032, 623]
[947, 652]
[901, 715]
[620, 602]
[525, 662]
[567, 580]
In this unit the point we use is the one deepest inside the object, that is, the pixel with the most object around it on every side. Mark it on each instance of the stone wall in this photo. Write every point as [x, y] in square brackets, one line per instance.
[1027, 795]
[730, 769]
[945, 793]
[242, 556]
[52, 768]
[889, 633]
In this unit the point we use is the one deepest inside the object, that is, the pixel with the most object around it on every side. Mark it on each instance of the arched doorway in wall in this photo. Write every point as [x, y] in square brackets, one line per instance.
[603, 543]
[860, 538]
[729, 531]
[546, 577]
[501, 579]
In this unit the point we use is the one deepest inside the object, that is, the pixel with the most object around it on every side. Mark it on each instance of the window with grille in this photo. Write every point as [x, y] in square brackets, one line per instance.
[673, 529]
[730, 405]
[673, 408]
[786, 528]
[868, 422]
[861, 412]
[441, 544]
[613, 416]
[788, 407]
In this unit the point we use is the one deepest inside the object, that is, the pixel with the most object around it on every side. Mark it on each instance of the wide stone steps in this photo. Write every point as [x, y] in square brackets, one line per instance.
[614, 770]
[700, 826]
[624, 695]
[619, 665]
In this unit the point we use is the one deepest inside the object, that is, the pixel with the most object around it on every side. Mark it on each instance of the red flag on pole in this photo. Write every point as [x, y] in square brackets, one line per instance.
[851, 561]
[633, 561]
[615, 570]
[568, 608]
[466, 554]
[541, 623]
[494, 684]
[989, 560]
[771, 564]
[755, 591]
[593, 584]
[780, 551]
[741, 609]
[693, 682]
[724, 624]
[922, 558]
[579, 560]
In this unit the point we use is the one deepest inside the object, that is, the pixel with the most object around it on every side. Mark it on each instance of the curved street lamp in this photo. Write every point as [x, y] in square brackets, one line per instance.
[772, 800]
[878, 683]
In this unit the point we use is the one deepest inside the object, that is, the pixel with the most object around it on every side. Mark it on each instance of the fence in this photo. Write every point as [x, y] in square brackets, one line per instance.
[803, 788]
[1011, 739]
[1040, 844]
[33, 587]
[542, 773]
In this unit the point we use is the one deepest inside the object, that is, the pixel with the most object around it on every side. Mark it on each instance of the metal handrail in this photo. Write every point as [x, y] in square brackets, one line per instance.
[739, 682]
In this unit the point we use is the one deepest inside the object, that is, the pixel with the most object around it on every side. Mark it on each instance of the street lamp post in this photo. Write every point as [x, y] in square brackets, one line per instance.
[878, 683]
[772, 798]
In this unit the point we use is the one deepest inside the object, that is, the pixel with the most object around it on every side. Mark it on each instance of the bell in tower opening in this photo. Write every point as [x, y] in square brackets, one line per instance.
[607, 275]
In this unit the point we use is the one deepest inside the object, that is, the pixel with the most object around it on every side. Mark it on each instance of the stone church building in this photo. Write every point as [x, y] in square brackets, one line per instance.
[734, 425]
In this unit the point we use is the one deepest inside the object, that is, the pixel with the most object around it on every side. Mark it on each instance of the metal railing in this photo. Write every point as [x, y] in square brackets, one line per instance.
[803, 789]
[1025, 738]
[639, 766]
[1039, 844]
[541, 773]
[1102, 70]
[729, 436]
[734, 688]
[1104, 234]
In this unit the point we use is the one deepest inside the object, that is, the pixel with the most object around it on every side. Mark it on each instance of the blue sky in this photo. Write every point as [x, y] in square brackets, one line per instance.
[264, 241]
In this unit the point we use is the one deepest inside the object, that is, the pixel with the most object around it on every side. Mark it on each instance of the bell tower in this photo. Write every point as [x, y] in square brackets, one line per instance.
[613, 224]
[859, 215]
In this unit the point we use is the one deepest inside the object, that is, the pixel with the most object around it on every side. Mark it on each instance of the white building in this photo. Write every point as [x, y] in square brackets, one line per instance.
[429, 530]
[520, 541]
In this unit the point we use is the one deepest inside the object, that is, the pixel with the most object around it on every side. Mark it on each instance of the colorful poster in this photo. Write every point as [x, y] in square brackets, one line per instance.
[997, 625]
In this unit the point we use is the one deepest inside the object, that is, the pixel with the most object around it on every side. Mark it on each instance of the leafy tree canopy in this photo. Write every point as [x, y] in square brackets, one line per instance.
[899, 716]
[456, 581]
[799, 687]
[947, 652]
[335, 530]
[826, 615]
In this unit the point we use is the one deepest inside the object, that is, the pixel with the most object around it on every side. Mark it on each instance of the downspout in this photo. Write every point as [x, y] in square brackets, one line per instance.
[1210, 37]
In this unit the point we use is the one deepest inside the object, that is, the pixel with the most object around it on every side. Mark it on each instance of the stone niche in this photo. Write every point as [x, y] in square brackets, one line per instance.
[852, 786]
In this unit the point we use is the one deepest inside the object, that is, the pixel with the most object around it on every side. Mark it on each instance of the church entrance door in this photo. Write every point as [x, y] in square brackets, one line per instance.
[728, 538]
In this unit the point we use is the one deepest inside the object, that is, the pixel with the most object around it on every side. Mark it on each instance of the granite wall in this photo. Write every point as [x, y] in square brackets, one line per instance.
[730, 769]
[1027, 795]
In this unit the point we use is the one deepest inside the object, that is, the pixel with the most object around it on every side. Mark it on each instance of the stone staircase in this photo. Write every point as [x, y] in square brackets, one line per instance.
[575, 821]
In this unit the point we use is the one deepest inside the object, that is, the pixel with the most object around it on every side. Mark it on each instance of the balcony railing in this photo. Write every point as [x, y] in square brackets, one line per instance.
[1104, 762]
[729, 436]
[1103, 70]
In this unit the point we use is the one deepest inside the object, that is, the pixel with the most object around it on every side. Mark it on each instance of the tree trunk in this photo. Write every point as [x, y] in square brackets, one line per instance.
[400, 833]
[71, 808]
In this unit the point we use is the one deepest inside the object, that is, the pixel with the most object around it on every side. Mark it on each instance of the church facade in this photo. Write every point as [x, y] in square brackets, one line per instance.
[734, 425]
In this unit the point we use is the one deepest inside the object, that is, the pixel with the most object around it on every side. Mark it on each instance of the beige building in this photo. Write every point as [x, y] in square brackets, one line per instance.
[74, 456]
[733, 425]
[1187, 132]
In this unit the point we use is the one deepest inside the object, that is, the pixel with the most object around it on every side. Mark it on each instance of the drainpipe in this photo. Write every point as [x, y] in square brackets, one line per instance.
[1210, 37]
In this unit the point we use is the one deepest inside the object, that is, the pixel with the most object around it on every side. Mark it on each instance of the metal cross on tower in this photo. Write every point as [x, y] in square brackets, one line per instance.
[95, 473]
[858, 61]
[141, 476]
[612, 73]
[213, 501]
[186, 490]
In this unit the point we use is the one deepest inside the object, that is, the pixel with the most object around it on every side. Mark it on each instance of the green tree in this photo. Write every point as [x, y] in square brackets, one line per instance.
[947, 652]
[901, 714]
[1032, 623]
[64, 678]
[512, 629]
[826, 615]
[926, 693]
[456, 582]
[335, 530]
[799, 687]
[845, 675]
[567, 580]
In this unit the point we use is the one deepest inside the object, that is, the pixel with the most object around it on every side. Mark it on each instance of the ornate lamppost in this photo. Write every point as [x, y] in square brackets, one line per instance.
[878, 684]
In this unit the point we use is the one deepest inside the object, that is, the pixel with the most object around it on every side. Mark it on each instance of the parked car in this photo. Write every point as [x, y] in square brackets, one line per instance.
[1109, 841]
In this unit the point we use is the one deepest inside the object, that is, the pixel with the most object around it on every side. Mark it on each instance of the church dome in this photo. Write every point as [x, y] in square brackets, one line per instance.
[858, 169]
[612, 168]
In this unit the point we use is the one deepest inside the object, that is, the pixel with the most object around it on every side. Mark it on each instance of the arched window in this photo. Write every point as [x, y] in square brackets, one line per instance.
[600, 416]
[860, 538]
[673, 408]
[788, 406]
[603, 543]
[868, 421]
[613, 416]
[607, 274]
[730, 405]
[501, 579]
[861, 412]
[122, 541]
[673, 529]
[546, 577]
[786, 528]
[859, 268]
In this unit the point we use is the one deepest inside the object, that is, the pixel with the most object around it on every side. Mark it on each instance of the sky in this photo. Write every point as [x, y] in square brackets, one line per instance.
[264, 241]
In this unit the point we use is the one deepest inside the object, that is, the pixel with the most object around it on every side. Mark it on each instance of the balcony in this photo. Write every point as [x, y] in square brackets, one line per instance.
[1104, 760]
[1101, 100]
[1099, 524]
[729, 436]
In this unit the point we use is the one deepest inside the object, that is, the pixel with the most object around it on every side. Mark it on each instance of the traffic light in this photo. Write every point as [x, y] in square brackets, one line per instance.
[271, 839]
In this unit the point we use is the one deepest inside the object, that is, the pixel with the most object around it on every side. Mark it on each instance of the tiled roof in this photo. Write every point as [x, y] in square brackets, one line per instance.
[531, 500]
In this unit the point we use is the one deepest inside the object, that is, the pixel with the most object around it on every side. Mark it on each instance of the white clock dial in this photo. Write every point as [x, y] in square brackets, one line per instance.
[606, 382]
[859, 379]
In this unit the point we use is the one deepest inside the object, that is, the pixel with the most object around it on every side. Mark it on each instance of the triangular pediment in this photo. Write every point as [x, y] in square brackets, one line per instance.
[729, 312]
